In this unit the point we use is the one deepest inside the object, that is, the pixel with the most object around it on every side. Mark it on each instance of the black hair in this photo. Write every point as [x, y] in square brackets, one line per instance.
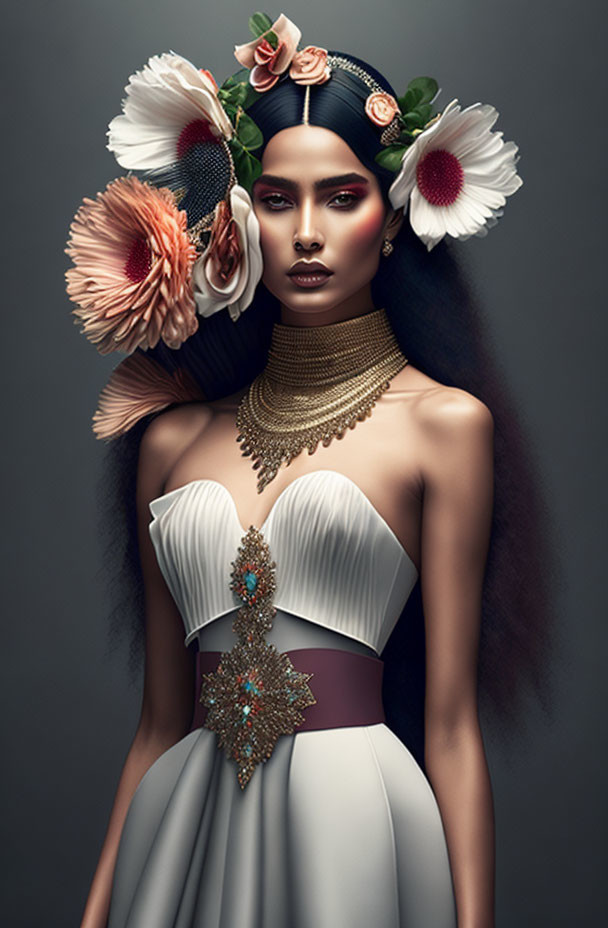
[441, 331]
[338, 105]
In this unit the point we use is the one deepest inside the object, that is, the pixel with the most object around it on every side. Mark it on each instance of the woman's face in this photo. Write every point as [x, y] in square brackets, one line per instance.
[317, 204]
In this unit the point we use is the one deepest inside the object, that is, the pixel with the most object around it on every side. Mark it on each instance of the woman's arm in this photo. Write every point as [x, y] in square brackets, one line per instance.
[167, 704]
[456, 520]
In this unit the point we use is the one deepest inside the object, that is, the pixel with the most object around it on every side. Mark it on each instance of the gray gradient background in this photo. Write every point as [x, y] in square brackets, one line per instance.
[68, 711]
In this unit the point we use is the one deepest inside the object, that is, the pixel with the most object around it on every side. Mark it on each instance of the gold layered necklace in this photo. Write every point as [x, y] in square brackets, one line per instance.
[318, 381]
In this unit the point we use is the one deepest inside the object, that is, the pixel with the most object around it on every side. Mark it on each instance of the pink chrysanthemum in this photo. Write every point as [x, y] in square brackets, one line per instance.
[132, 279]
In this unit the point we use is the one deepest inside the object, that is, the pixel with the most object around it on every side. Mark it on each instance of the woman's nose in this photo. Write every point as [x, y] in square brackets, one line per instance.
[307, 234]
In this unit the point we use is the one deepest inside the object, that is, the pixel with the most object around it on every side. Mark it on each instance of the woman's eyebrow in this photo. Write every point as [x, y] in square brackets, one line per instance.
[274, 181]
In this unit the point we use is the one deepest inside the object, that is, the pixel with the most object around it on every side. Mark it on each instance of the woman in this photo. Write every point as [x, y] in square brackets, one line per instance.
[318, 814]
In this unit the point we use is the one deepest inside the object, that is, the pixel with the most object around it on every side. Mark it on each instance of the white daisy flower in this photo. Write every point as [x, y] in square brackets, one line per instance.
[219, 280]
[170, 104]
[456, 175]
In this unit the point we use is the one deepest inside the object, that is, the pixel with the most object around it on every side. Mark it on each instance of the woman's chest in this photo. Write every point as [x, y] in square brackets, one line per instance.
[378, 457]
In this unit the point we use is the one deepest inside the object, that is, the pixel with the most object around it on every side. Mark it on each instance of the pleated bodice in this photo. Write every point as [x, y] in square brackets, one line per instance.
[339, 564]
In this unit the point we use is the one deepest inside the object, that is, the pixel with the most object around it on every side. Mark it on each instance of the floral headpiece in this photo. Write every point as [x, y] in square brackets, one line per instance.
[153, 253]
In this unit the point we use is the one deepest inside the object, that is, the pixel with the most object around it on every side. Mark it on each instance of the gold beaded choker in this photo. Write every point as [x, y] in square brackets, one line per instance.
[318, 381]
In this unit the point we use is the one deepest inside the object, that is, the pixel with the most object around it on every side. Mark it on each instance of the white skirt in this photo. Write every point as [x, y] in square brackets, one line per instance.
[338, 829]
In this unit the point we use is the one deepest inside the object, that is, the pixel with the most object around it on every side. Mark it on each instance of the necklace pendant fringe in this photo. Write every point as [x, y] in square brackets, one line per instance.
[319, 381]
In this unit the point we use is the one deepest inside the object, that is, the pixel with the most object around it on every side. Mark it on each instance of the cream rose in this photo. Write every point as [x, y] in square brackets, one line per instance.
[238, 291]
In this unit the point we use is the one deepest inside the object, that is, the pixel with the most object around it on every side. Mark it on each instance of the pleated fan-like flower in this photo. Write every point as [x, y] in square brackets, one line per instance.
[456, 175]
[132, 274]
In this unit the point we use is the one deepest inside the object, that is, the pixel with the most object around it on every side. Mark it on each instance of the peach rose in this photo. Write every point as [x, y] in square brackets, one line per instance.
[381, 108]
[262, 79]
[265, 62]
[265, 54]
[264, 74]
[310, 66]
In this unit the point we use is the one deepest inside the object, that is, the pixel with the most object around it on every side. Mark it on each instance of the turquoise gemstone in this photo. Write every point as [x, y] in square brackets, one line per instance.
[251, 581]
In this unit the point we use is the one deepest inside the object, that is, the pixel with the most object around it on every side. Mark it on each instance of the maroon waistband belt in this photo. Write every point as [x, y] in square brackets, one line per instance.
[347, 687]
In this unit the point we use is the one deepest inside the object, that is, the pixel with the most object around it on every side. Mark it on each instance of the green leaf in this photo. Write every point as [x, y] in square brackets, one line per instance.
[425, 110]
[248, 168]
[391, 157]
[411, 120]
[252, 96]
[409, 100]
[248, 133]
[241, 76]
[425, 87]
[239, 94]
[229, 82]
[259, 23]
[256, 168]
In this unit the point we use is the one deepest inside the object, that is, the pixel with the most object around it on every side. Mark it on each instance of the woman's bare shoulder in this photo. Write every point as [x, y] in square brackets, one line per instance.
[449, 412]
[168, 435]
[437, 406]
[175, 423]
[455, 432]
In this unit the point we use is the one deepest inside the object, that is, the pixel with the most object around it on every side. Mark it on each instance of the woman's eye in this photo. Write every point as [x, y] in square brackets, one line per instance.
[277, 201]
[274, 200]
[345, 199]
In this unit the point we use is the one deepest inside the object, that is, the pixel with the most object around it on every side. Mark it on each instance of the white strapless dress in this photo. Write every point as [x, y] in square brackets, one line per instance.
[339, 828]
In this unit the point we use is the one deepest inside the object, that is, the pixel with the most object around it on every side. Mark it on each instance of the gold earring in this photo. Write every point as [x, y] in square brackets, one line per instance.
[387, 247]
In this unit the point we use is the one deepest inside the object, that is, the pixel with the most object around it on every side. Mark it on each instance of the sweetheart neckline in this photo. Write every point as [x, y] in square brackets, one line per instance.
[313, 473]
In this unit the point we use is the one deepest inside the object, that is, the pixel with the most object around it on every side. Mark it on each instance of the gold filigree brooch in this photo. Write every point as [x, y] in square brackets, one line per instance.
[255, 694]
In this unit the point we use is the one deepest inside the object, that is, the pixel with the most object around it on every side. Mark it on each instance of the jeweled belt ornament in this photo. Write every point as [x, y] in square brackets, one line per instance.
[255, 694]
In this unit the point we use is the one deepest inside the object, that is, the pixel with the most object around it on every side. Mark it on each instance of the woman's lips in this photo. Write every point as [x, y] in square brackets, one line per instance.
[310, 279]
